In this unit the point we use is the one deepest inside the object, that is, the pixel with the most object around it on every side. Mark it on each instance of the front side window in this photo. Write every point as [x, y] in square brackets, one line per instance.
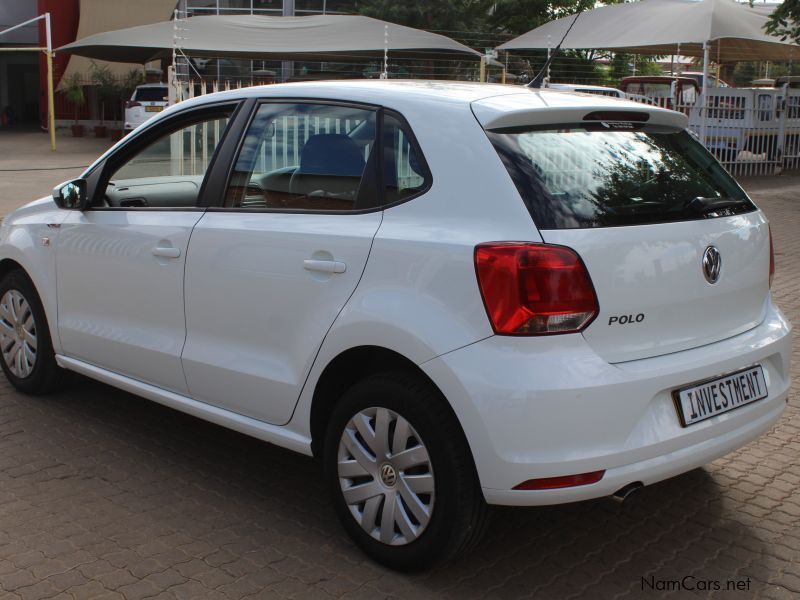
[587, 176]
[303, 156]
[169, 171]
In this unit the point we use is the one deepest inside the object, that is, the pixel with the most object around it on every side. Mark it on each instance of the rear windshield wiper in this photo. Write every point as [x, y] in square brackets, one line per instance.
[644, 206]
[703, 205]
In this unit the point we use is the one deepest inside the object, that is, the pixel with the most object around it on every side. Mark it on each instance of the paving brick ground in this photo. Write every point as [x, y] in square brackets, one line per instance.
[105, 495]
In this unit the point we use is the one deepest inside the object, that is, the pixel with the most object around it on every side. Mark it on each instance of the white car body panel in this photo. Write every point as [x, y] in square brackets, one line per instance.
[544, 407]
[275, 434]
[23, 235]
[255, 314]
[653, 270]
[121, 307]
[529, 406]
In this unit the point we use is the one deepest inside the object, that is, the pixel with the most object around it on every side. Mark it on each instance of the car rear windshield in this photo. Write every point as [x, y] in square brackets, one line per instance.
[153, 94]
[581, 177]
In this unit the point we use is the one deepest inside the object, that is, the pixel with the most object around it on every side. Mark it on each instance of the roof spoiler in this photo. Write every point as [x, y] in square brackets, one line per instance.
[501, 112]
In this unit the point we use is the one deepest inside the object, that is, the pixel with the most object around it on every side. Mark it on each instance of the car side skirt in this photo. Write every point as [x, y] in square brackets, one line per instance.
[274, 434]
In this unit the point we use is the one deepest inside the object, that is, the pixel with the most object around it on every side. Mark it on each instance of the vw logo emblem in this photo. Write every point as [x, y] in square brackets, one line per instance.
[388, 475]
[712, 264]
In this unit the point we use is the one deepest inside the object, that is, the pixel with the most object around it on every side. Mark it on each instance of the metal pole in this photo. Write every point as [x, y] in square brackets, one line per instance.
[28, 22]
[385, 73]
[482, 76]
[287, 66]
[51, 105]
[547, 75]
[49, 52]
[704, 101]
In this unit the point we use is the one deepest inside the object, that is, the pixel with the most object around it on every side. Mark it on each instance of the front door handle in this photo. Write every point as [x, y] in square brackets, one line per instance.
[166, 251]
[324, 266]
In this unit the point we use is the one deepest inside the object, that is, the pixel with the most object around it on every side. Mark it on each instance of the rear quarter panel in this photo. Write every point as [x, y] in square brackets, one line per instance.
[419, 295]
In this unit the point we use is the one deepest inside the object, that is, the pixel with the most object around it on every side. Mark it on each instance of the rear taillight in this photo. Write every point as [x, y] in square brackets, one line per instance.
[534, 289]
[132, 104]
[771, 259]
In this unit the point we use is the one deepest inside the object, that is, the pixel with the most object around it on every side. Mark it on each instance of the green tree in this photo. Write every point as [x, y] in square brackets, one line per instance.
[73, 92]
[442, 15]
[520, 16]
[107, 88]
[785, 20]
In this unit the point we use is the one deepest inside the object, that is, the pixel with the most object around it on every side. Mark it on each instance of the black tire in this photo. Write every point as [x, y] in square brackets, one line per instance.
[457, 516]
[45, 376]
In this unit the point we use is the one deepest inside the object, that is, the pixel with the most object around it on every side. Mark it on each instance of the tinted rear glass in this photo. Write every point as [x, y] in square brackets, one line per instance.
[158, 94]
[583, 177]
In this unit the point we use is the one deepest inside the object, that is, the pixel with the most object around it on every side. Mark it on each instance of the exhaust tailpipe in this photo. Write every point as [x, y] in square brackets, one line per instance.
[628, 494]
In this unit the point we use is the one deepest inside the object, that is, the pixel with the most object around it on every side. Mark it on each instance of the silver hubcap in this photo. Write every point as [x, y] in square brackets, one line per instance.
[17, 334]
[386, 476]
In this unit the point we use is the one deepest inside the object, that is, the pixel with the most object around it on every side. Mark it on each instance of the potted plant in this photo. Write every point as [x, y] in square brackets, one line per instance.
[73, 92]
[107, 91]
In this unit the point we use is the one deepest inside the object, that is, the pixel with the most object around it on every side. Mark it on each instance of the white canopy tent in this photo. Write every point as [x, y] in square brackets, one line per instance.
[731, 31]
[727, 30]
[316, 38]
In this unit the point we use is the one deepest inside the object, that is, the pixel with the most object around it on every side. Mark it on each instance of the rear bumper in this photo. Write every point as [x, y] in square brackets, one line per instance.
[547, 407]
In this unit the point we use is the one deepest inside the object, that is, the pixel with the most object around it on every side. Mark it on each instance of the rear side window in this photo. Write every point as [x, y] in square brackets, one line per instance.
[405, 173]
[303, 156]
[583, 177]
[157, 94]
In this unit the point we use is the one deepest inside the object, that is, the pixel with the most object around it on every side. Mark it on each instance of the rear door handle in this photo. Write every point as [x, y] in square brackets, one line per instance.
[166, 251]
[324, 266]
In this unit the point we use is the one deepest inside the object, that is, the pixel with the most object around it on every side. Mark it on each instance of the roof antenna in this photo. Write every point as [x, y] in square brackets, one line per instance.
[537, 81]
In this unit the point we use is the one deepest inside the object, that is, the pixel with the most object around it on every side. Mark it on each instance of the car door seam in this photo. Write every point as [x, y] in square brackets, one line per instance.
[336, 318]
[183, 294]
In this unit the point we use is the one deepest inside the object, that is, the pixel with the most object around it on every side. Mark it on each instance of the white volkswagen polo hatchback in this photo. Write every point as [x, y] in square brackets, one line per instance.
[454, 294]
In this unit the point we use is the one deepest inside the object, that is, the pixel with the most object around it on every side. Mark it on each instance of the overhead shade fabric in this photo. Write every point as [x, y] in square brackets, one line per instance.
[318, 38]
[103, 15]
[734, 31]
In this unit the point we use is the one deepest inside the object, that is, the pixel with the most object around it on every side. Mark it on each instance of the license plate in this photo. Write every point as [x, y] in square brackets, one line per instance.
[713, 397]
[152, 109]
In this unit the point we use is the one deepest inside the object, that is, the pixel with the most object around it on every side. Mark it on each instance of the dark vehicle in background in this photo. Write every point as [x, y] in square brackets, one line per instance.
[713, 80]
[666, 91]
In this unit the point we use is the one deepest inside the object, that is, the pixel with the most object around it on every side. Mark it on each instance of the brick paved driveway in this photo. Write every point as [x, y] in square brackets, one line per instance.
[104, 495]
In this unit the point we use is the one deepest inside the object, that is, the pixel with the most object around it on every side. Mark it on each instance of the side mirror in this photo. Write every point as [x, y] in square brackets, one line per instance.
[71, 195]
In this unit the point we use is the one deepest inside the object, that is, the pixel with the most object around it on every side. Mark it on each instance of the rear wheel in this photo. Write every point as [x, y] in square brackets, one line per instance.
[401, 474]
[26, 351]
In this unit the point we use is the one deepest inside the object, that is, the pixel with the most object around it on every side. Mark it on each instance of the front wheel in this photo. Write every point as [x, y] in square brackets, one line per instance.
[401, 474]
[26, 351]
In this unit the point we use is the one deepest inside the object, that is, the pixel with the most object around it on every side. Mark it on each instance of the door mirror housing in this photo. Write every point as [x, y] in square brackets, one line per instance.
[71, 195]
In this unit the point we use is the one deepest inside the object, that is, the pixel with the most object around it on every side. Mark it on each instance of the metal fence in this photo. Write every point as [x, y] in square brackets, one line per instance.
[751, 131]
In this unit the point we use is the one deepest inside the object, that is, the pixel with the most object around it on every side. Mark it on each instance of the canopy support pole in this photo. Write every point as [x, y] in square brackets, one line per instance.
[704, 101]
[51, 104]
